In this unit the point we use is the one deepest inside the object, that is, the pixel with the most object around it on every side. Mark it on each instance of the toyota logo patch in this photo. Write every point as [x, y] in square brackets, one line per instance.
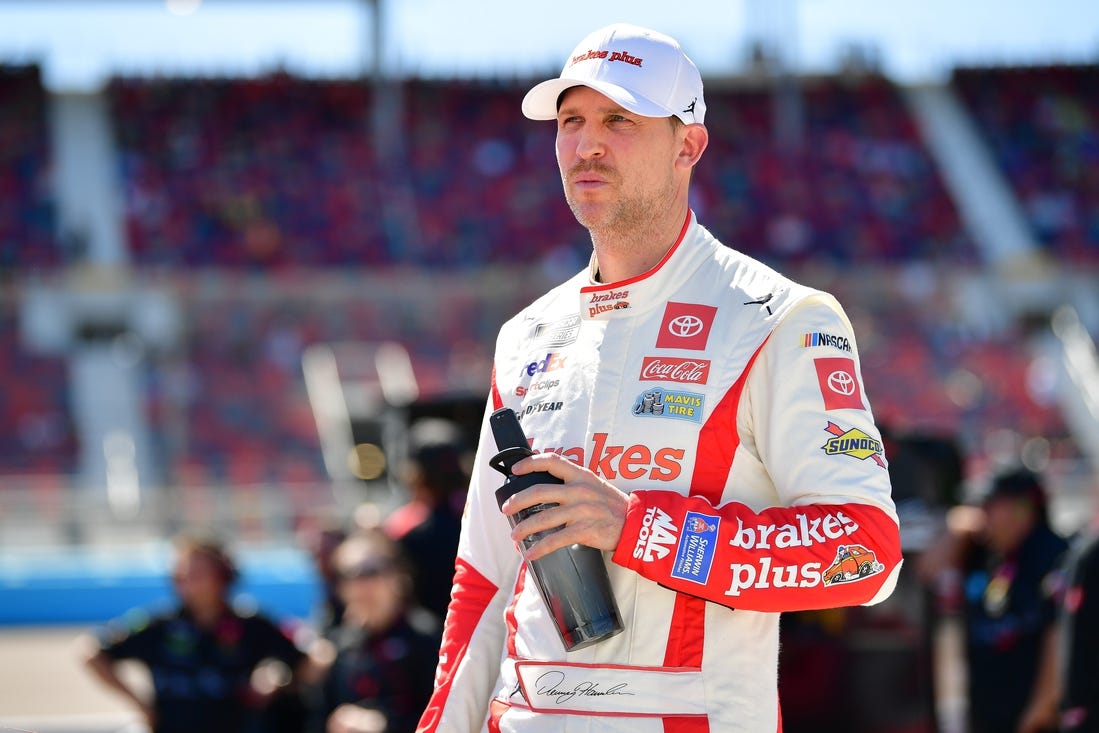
[685, 326]
[842, 382]
[838, 385]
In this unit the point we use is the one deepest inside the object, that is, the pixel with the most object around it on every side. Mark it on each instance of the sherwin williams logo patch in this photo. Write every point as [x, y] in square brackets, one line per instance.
[853, 442]
[670, 403]
[695, 553]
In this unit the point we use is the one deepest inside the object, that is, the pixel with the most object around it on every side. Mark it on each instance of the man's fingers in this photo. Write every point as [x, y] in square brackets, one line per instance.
[549, 543]
[551, 463]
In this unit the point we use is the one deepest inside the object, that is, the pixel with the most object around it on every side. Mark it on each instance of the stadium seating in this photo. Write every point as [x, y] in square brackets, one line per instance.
[279, 171]
[36, 431]
[861, 188]
[27, 240]
[244, 191]
[1042, 124]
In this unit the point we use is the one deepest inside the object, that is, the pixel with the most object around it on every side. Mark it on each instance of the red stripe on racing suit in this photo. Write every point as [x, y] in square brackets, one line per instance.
[470, 597]
[779, 559]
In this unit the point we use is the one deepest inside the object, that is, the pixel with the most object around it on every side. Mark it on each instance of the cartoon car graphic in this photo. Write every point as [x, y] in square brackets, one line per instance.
[621, 304]
[853, 562]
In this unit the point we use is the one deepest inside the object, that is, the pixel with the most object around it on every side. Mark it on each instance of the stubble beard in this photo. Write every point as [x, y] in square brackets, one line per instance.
[626, 222]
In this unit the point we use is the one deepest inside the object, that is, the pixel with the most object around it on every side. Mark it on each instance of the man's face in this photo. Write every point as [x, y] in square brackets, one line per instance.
[618, 168]
[198, 581]
[1008, 520]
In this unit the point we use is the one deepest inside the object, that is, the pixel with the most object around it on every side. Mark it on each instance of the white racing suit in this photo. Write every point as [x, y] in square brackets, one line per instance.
[727, 401]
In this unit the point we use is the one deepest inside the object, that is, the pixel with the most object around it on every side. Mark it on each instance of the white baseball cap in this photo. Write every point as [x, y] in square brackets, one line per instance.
[644, 71]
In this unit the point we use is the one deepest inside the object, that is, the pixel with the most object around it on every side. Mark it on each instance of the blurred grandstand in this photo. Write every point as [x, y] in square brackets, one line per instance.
[174, 250]
[258, 217]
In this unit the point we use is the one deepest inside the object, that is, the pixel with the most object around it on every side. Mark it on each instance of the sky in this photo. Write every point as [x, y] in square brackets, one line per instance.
[80, 43]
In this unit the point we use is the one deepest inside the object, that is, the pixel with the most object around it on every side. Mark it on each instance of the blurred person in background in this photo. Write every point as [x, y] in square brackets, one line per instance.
[214, 668]
[1001, 561]
[1079, 645]
[321, 542]
[386, 649]
[428, 526]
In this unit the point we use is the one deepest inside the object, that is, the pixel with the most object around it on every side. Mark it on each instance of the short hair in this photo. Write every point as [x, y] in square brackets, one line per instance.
[369, 551]
[210, 547]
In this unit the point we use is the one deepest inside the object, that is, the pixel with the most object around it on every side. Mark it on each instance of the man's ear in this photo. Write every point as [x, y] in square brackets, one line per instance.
[695, 140]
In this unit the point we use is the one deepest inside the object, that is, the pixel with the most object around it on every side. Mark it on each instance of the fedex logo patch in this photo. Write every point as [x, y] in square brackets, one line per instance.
[685, 326]
[838, 384]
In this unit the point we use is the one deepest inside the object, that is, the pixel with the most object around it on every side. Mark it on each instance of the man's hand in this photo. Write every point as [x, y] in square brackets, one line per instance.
[592, 511]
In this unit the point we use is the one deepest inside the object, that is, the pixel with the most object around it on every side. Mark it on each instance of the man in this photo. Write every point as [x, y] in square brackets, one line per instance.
[428, 526]
[1004, 559]
[201, 656]
[1080, 640]
[380, 679]
[707, 419]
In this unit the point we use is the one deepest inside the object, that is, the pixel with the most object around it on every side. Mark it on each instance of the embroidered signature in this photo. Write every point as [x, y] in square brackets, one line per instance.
[550, 684]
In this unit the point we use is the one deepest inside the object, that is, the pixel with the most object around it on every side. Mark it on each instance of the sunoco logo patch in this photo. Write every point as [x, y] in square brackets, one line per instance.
[695, 553]
[853, 442]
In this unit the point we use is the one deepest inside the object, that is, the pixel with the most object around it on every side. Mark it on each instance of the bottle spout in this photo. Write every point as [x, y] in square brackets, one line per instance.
[508, 457]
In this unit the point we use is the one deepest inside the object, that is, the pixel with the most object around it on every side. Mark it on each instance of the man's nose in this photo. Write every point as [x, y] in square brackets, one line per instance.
[590, 142]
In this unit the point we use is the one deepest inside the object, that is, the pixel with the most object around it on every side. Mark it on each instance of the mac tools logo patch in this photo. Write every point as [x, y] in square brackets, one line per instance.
[685, 326]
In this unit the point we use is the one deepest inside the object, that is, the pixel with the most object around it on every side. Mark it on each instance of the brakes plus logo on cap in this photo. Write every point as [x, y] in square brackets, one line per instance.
[685, 326]
[609, 55]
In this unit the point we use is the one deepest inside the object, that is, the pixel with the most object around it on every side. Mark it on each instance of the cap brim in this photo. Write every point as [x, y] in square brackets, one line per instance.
[540, 103]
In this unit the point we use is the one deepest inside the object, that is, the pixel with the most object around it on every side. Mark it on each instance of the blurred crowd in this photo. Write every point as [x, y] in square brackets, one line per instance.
[364, 663]
[1028, 607]
[1042, 126]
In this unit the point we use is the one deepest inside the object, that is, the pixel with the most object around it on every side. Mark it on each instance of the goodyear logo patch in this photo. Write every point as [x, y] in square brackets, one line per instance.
[853, 442]
[697, 545]
[661, 402]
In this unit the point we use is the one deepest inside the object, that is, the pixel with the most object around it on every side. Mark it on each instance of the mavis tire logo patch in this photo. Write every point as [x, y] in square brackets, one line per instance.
[668, 403]
[853, 442]
[658, 534]
[685, 326]
[695, 553]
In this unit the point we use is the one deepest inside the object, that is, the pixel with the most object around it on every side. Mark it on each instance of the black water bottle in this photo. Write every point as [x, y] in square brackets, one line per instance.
[572, 580]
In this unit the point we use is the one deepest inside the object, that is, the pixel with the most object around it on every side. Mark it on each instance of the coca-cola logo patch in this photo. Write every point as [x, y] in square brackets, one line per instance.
[674, 369]
[685, 326]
